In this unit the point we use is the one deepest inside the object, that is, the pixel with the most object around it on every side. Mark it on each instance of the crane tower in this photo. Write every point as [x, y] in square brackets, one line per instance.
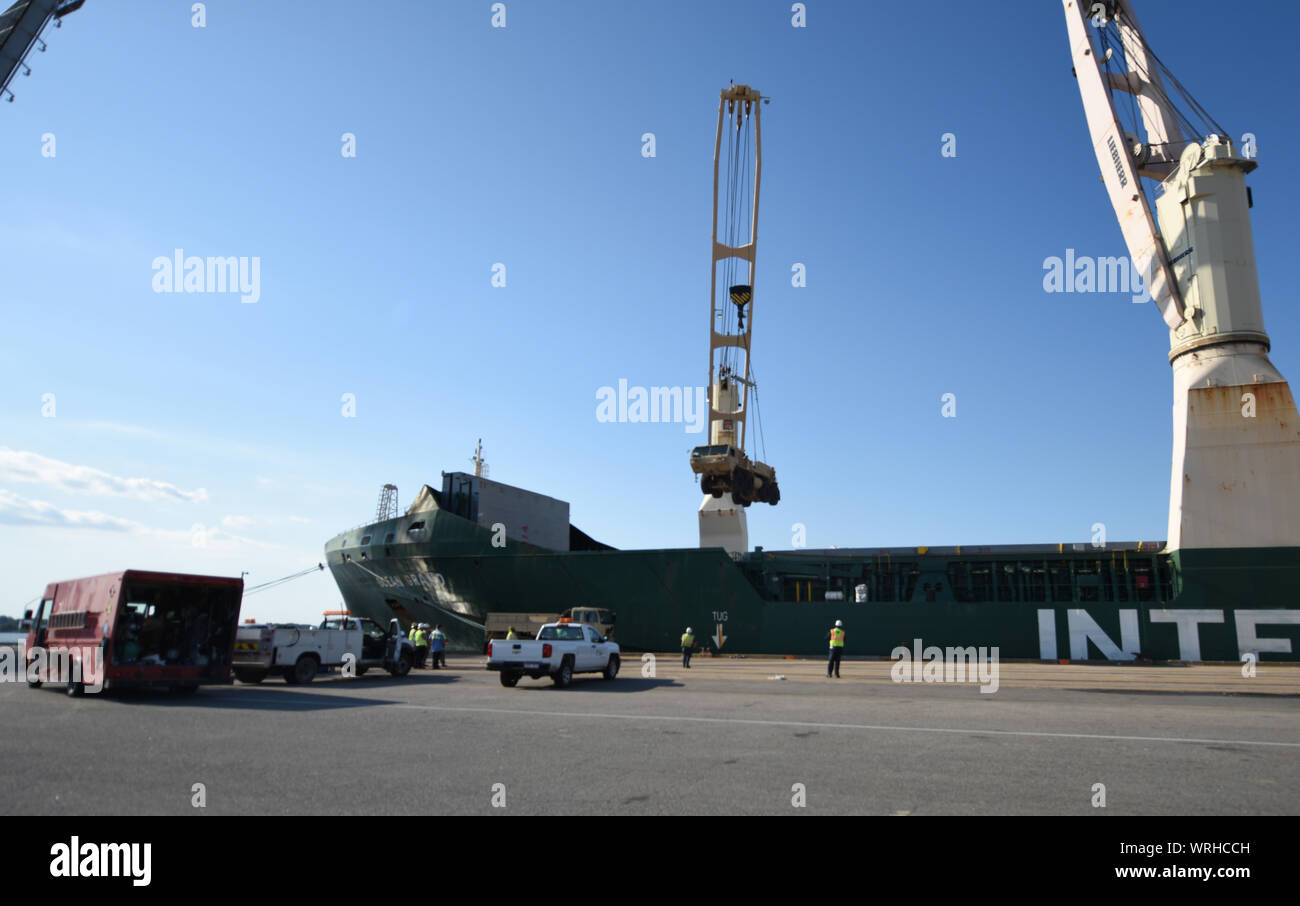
[1235, 478]
[730, 480]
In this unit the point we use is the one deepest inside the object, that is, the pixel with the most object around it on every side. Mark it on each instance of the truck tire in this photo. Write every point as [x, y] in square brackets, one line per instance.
[74, 689]
[403, 665]
[360, 670]
[564, 675]
[250, 677]
[611, 669]
[33, 678]
[509, 680]
[304, 671]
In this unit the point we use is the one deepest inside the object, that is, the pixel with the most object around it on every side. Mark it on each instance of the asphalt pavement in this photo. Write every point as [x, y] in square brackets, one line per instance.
[745, 736]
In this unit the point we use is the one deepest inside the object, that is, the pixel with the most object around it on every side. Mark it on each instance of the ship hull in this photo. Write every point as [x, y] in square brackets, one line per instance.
[1076, 602]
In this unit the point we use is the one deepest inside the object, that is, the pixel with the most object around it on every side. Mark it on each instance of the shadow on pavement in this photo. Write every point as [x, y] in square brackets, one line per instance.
[322, 694]
[580, 684]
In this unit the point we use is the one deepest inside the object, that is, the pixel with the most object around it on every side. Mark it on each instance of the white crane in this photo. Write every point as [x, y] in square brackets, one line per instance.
[723, 465]
[1235, 479]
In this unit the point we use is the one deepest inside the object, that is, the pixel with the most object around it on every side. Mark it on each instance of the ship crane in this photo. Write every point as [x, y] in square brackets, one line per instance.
[731, 480]
[1235, 480]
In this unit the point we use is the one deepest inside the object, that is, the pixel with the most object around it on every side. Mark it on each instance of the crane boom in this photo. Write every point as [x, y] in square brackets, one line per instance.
[20, 30]
[723, 465]
[1115, 149]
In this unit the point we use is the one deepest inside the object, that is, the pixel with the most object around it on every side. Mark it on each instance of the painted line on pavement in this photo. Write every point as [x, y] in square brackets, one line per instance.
[836, 726]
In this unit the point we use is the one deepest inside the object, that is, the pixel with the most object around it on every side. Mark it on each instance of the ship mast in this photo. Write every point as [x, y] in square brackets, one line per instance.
[480, 465]
[723, 466]
[1235, 478]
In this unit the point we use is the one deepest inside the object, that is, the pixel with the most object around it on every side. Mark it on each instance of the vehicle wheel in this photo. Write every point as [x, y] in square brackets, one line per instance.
[305, 670]
[509, 680]
[403, 665]
[611, 669]
[185, 688]
[250, 677]
[75, 690]
[361, 671]
[565, 674]
[36, 682]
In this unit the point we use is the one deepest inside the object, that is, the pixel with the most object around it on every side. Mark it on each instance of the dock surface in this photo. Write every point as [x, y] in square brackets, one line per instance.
[725, 737]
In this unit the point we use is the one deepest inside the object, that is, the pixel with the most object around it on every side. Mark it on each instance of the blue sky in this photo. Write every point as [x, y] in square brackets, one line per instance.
[522, 145]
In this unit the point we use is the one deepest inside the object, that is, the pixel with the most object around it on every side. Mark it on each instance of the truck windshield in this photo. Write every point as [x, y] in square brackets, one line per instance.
[561, 634]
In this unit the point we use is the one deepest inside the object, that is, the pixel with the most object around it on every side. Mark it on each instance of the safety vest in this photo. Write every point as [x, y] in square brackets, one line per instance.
[439, 635]
[688, 640]
[421, 639]
[410, 633]
[510, 634]
[837, 638]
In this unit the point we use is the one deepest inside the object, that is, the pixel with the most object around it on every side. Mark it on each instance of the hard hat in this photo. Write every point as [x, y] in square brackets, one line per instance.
[688, 629]
[839, 622]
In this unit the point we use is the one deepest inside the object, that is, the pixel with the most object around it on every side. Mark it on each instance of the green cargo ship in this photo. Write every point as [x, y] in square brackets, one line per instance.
[437, 564]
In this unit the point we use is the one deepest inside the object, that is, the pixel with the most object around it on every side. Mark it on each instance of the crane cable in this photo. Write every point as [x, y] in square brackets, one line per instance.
[736, 220]
[274, 583]
[1110, 40]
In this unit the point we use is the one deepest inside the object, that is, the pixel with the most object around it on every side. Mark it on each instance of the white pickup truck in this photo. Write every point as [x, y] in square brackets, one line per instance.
[298, 652]
[559, 651]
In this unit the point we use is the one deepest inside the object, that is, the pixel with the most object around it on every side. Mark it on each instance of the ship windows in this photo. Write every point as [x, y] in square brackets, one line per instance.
[415, 528]
[1059, 573]
[388, 539]
[1008, 584]
[1036, 583]
[909, 583]
[365, 540]
[959, 581]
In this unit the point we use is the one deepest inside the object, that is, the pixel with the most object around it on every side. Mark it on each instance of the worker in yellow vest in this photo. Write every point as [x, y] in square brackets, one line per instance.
[421, 642]
[836, 638]
[511, 634]
[688, 646]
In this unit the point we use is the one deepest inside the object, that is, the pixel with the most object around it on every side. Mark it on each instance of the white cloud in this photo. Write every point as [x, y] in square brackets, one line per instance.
[15, 510]
[303, 519]
[238, 522]
[22, 465]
